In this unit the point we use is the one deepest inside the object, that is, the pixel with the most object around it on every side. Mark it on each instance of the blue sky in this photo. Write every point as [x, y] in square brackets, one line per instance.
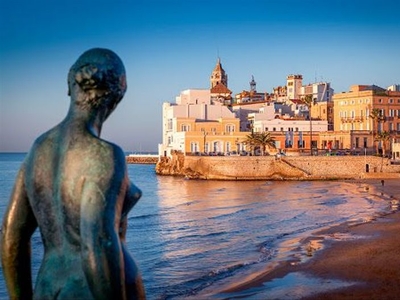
[171, 45]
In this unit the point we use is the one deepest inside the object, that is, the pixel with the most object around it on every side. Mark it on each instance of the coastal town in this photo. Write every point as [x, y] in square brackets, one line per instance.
[301, 131]
[294, 119]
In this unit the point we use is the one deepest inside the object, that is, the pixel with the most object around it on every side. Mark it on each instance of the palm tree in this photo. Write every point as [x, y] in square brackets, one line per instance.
[383, 137]
[260, 139]
[264, 139]
[251, 140]
[308, 100]
[376, 116]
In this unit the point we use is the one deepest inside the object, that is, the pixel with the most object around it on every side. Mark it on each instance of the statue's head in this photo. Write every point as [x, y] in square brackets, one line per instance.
[100, 75]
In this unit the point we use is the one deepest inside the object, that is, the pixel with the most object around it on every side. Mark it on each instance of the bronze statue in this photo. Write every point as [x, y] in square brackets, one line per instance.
[74, 186]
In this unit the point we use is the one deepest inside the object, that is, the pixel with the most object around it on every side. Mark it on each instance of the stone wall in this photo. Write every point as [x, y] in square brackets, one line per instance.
[270, 167]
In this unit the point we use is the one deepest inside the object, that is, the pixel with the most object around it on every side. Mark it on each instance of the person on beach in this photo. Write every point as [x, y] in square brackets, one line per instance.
[74, 187]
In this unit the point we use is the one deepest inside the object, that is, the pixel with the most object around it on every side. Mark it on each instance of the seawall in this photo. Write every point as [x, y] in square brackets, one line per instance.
[272, 168]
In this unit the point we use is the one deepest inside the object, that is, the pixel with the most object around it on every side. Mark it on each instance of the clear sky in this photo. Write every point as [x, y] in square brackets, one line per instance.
[171, 45]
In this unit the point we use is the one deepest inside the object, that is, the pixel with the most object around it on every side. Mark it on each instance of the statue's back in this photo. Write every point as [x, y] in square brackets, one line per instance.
[57, 169]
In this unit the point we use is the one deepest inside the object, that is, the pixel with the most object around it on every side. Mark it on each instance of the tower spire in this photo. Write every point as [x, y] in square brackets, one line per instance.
[218, 75]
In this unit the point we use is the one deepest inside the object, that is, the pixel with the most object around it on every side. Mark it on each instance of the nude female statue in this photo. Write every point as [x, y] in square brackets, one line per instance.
[74, 186]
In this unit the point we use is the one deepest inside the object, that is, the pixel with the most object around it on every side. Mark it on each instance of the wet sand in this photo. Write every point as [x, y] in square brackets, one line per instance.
[366, 257]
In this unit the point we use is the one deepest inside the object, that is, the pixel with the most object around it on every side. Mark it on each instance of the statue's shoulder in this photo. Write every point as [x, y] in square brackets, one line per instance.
[107, 154]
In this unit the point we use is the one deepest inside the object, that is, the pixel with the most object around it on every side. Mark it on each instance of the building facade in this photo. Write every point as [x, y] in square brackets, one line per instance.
[195, 123]
[211, 121]
[364, 112]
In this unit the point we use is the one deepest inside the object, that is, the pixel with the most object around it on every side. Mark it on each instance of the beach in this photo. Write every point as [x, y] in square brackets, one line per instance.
[363, 258]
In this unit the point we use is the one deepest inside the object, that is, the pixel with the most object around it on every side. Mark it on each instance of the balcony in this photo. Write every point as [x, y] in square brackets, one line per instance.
[352, 119]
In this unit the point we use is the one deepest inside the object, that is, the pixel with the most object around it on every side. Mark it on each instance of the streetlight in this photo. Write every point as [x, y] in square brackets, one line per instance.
[204, 142]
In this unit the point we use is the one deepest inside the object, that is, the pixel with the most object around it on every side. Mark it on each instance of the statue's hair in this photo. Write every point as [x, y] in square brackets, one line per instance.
[99, 72]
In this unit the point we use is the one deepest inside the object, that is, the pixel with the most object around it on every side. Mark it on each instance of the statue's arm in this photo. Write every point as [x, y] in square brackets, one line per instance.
[132, 196]
[19, 224]
[102, 258]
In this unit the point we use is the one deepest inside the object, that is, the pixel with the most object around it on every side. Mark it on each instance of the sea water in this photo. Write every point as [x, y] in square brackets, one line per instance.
[188, 236]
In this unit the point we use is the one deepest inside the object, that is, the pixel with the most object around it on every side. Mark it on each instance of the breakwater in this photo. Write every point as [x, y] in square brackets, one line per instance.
[141, 159]
[273, 168]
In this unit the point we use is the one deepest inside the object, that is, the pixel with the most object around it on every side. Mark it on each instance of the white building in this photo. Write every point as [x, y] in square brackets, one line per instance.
[266, 119]
[394, 88]
[320, 91]
[192, 107]
[284, 125]
[294, 84]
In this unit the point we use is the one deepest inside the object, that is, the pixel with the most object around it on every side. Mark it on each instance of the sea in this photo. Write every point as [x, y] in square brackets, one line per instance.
[190, 238]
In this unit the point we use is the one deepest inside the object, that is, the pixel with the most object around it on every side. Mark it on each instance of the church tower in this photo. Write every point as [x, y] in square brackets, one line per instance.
[219, 91]
[218, 75]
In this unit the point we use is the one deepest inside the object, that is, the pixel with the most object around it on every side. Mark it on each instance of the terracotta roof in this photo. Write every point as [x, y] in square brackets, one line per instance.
[220, 88]
[297, 101]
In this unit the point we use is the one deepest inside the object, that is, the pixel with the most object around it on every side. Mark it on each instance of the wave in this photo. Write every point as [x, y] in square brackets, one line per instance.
[227, 215]
[194, 286]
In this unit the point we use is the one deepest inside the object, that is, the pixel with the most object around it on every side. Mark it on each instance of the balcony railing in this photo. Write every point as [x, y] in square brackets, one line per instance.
[352, 119]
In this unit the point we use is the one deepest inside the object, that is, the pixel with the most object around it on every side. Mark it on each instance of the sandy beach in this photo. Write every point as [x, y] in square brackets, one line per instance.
[365, 257]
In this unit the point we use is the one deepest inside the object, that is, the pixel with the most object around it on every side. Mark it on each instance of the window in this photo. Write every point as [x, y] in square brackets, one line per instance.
[274, 129]
[228, 147]
[266, 128]
[185, 127]
[217, 147]
[169, 125]
[194, 147]
[230, 128]
[390, 100]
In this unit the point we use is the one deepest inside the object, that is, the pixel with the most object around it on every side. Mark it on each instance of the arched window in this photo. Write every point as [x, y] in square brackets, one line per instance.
[217, 147]
[230, 128]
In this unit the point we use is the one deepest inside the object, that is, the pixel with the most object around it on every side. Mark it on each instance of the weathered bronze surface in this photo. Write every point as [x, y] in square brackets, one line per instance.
[74, 186]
